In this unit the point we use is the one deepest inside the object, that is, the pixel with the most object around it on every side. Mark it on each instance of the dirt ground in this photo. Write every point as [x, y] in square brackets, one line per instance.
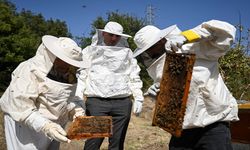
[141, 135]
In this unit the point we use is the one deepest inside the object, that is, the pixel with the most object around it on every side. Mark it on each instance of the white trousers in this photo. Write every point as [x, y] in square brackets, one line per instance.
[21, 137]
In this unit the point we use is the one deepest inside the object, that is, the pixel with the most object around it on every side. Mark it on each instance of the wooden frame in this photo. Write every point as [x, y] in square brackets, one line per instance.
[90, 127]
[240, 130]
[174, 88]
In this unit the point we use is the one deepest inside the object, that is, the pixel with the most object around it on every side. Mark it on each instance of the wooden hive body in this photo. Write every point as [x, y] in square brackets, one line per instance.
[240, 130]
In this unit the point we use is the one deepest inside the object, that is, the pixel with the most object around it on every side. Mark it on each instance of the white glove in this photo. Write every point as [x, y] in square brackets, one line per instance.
[55, 131]
[153, 89]
[138, 106]
[76, 112]
[176, 41]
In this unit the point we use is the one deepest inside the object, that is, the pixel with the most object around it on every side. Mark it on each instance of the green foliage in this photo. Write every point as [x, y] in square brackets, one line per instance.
[20, 36]
[131, 25]
[235, 69]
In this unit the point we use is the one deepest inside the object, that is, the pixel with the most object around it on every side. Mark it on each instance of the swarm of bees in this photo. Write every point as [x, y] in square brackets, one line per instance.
[171, 101]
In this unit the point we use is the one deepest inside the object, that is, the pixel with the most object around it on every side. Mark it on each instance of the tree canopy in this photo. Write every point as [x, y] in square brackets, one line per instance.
[235, 69]
[20, 35]
[21, 32]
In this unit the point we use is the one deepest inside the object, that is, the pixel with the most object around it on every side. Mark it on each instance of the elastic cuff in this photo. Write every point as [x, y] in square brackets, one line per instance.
[36, 121]
[190, 35]
[139, 100]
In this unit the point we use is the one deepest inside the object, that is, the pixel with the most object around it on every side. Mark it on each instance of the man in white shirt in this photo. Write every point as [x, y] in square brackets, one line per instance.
[110, 82]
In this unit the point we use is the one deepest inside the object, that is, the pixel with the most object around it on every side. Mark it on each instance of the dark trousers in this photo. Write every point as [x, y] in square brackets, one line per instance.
[216, 136]
[120, 110]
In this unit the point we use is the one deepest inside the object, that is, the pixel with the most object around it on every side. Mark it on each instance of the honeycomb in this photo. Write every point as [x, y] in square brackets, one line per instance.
[171, 101]
[90, 127]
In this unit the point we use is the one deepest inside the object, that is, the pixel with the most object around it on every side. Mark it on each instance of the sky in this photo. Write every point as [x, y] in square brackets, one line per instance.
[186, 14]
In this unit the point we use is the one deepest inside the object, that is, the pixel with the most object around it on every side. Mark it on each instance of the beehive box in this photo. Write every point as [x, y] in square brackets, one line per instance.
[240, 130]
[90, 127]
[171, 101]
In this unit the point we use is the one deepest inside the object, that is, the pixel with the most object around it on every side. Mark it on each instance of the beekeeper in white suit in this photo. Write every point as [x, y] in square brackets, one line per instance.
[112, 79]
[210, 105]
[40, 99]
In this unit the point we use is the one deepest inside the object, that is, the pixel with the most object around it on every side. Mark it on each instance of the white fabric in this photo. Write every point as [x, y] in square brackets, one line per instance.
[36, 121]
[153, 89]
[148, 36]
[209, 99]
[97, 39]
[55, 131]
[114, 28]
[20, 137]
[155, 70]
[176, 41]
[137, 108]
[32, 99]
[114, 72]
[76, 112]
[66, 49]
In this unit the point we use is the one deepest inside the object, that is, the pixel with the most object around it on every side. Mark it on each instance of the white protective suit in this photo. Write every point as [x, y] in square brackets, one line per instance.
[32, 100]
[209, 99]
[114, 72]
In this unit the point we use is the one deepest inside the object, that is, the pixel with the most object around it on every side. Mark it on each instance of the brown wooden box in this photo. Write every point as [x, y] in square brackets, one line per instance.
[240, 130]
[174, 88]
[90, 127]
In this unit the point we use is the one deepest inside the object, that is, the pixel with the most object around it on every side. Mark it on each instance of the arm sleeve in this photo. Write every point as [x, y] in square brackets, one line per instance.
[81, 82]
[135, 80]
[78, 99]
[211, 39]
[35, 121]
[81, 76]
[222, 33]
[20, 97]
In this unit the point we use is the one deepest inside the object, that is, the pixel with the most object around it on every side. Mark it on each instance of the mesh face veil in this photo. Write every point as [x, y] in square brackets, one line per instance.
[155, 70]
